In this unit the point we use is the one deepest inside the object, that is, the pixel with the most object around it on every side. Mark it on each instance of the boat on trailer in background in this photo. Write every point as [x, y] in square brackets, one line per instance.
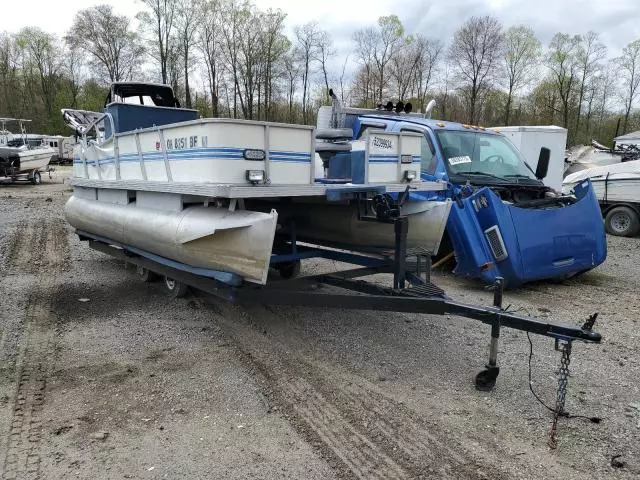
[216, 203]
[617, 188]
[22, 157]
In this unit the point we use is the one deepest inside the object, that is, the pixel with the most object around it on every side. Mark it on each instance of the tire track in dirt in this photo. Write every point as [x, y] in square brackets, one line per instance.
[363, 457]
[40, 248]
[361, 430]
[15, 252]
[423, 449]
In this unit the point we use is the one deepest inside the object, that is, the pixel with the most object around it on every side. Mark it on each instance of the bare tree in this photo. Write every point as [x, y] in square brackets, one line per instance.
[365, 43]
[388, 38]
[521, 54]
[630, 70]
[445, 81]
[562, 61]
[590, 53]
[590, 96]
[474, 54]
[429, 52]
[403, 65]
[174, 66]
[293, 72]
[275, 45]
[604, 83]
[159, 21]
[249, 60]
[188, 18]
[342, 79]
[324, 53]
[41, 48]
[307, 37]
[235, 20]
[107, 37]
[209, 45]
[8, 73]
[73, 66]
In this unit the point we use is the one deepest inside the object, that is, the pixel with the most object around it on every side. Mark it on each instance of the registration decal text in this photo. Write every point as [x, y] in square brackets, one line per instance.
[180, 143]
[382, 143]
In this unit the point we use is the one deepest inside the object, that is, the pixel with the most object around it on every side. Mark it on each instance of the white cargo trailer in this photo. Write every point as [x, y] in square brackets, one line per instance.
[529, 139]
[64, 148]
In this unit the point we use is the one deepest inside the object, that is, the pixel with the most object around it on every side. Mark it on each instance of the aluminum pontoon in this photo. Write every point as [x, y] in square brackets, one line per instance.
[216, 203]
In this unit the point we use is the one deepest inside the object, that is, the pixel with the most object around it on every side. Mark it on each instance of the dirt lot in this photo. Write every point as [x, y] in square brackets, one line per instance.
[104, 377]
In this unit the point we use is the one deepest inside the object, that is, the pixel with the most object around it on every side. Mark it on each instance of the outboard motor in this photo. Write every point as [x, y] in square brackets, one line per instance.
[9, 165]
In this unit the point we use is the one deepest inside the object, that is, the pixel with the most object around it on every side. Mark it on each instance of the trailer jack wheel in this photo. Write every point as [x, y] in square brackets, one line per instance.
[486, 379]
[36, 179]
[146, 275]
[176, 289]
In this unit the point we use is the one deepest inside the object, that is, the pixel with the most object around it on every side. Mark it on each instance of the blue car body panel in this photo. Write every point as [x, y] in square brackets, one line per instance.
[541, 243]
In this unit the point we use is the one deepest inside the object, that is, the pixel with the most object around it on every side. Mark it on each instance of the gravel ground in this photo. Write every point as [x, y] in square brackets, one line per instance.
[104, 377]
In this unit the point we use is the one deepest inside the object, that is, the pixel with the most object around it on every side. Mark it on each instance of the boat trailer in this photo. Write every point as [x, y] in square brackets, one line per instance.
[410, 292]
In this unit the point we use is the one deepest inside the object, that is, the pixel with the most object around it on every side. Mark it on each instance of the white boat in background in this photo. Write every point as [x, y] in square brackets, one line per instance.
[22, 155]
[619, 182]
[217, 194]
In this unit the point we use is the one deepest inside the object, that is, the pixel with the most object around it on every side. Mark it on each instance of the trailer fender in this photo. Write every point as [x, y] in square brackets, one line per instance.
[607, 207]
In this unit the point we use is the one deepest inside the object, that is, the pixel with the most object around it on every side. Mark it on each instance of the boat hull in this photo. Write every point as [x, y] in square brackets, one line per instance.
[239, 242]
[35, 159]
[27, 160]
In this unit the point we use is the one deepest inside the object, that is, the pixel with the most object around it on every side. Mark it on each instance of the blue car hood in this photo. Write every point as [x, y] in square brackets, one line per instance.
[540, 243]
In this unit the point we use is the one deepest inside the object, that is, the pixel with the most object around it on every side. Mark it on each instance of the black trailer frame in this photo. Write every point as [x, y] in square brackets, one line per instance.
[421, 296]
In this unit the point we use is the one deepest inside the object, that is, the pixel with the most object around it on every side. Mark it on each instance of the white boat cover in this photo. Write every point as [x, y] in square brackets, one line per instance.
[617, 171]
[632, 138]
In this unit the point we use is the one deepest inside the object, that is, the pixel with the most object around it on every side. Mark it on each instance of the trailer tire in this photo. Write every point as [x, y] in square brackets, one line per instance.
[147, 275]
[289, 270]
[36, 178]
[176, 288]
[622, 221]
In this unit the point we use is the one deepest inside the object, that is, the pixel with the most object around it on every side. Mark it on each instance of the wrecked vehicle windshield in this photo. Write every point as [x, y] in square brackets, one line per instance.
[476, 154]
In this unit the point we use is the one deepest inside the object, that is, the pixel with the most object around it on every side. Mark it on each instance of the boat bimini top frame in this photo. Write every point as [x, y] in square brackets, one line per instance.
[411, 290]
[4, 131]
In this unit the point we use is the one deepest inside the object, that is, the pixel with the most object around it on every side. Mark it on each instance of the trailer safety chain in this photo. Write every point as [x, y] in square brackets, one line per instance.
[561, 394]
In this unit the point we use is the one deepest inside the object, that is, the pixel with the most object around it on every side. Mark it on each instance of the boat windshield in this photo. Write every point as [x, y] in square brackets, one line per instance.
[473, 154]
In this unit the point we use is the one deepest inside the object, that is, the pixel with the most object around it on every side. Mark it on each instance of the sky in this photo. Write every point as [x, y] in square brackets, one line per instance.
[617, 21]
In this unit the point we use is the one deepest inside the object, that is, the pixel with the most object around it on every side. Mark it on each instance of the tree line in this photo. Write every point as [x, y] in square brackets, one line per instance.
[231, 58]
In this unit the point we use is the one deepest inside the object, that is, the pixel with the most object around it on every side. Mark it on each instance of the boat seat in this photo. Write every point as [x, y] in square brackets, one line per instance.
[334, 134]
[332, 147]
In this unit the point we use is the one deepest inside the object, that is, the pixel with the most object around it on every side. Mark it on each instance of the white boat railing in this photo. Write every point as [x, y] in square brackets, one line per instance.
[4, 132]
[83, 121]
